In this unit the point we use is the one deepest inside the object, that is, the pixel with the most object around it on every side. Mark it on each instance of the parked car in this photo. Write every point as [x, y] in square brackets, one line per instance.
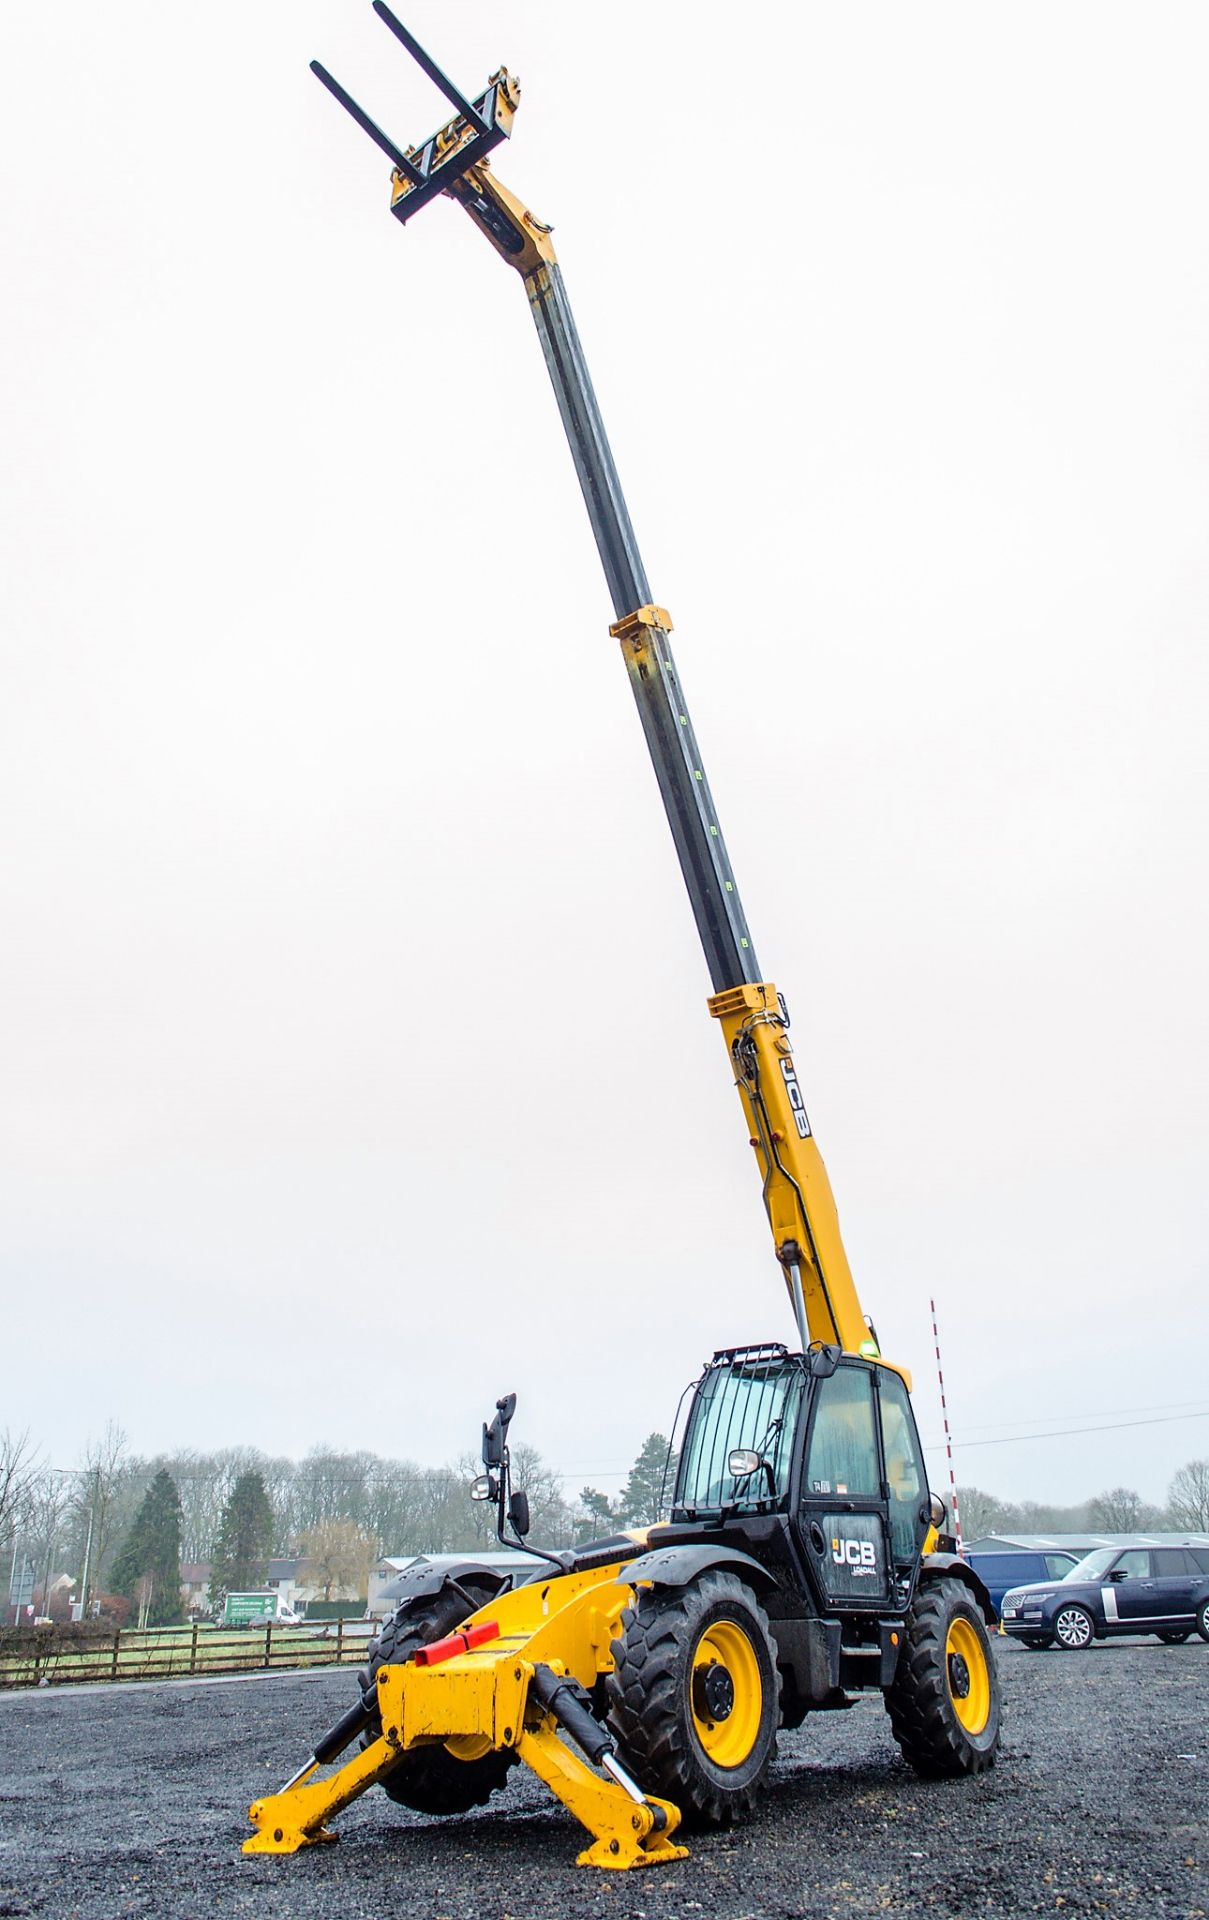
[1115, 1590]
[999, 1571]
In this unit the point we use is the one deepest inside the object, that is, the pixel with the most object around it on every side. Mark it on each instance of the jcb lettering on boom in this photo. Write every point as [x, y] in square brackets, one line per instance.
[644, 1681]
[795, 1098]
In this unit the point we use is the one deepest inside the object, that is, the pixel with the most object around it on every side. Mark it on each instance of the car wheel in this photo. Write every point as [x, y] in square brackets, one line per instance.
[1175, 1639]
[1074, 1629]
[1202, 1620]
[1038, 1642]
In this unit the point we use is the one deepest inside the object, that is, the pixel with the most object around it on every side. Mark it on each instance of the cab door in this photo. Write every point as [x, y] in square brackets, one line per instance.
[842, 1515]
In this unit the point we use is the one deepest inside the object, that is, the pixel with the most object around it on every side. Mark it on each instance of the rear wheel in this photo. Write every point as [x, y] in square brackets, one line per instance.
[1202, 1620]
[694, 1697]
[1176, 1639]
[434, 1779]
[1074, 1629]
[944, 1699]
[1038, 1642]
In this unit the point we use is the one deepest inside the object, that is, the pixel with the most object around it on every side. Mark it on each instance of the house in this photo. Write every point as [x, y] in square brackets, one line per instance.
[283, 1575]
[195, 1585]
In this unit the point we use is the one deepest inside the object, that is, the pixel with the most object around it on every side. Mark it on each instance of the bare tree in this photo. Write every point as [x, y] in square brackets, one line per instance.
[983, 1513]
[96, 1503]
[46, 1530]
[1188, 1497]
[18, 1473]
[392, 1504]
[550, 1514]
[1122, 1510]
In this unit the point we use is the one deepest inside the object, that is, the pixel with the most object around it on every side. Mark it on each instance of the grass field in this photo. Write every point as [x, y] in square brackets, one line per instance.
[44, 1656]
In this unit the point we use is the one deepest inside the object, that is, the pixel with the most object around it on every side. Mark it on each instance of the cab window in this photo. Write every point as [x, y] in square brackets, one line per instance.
[842, 1458]
[1135, 1564]
[905, 1472]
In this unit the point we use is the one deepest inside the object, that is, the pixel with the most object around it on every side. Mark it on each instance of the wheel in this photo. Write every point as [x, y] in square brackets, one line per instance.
[694, 1697]
[1038, 1642]
[1177, 1638]
[1074, 1628]
[1202, 1620]
[433, 1779]
[944, 1699]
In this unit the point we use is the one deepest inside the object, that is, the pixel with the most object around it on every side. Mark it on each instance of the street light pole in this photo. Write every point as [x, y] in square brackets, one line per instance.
[92, 1515]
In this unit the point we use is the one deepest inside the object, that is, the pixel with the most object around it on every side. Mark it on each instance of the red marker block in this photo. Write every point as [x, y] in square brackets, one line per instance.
[455, 1643]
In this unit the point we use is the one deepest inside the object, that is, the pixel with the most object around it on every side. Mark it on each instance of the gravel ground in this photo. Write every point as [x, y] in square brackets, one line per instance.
[128, 1801]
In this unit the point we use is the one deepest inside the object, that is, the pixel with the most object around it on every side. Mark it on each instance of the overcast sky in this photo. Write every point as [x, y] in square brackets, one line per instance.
[356, 1065]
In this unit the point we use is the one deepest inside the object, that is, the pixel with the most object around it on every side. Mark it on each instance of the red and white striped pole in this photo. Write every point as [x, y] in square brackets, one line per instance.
[948, 1437]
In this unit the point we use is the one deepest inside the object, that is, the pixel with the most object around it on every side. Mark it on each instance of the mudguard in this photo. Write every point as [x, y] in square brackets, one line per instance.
[416, 1583]
[934, 1564]
[676, 1566]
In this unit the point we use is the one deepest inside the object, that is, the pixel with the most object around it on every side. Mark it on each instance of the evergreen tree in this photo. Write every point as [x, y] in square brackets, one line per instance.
[148, 1567]
[597, 1518]
[641, 1495]
[245, 1540]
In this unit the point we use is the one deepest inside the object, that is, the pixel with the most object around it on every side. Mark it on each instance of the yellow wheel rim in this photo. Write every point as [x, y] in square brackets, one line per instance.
[726, 1694]
[968, 1675]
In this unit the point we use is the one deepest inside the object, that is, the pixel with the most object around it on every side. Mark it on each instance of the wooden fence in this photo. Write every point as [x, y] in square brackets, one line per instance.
[31, 1656]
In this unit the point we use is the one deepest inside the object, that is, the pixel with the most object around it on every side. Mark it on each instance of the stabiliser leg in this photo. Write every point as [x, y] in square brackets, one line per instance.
[628, 1828]
[295, 1817]
[626, 1834]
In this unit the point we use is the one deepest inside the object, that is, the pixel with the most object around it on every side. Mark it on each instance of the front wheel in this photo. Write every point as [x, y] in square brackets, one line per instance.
[1202, 1620]
[1074, 1629]
[1176, 1639]
[944, 1699]
[694, 1697]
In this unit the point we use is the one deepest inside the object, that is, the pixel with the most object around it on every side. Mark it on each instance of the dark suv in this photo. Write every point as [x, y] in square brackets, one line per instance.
[1115, 1590]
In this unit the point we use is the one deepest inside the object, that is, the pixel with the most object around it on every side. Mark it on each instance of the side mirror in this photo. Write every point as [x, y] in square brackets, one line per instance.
[823, 1362]
[518, 1513]
[495, 1436]
[1118, 1573]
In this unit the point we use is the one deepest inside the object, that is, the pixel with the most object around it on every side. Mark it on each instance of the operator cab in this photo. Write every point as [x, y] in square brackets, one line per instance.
[814, 1458]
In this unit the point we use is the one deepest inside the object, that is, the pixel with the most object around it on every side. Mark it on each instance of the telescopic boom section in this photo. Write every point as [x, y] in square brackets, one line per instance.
[797, 1193]
[642, 628]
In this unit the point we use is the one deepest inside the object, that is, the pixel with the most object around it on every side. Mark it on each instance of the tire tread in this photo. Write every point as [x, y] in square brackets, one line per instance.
[648, 1716]
[922, 1717]
[431, 1779]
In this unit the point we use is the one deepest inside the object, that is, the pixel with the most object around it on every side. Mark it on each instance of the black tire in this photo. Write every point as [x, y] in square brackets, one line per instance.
[944, 1700]
[1202, 1620]
[692, 1730]
[1074, 1628]
[1038, 1642]
[1176, 1638]
[431, 1779]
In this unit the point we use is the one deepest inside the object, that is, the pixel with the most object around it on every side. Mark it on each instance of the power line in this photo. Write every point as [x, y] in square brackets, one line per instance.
[991, 1426]
[1061, 1433]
